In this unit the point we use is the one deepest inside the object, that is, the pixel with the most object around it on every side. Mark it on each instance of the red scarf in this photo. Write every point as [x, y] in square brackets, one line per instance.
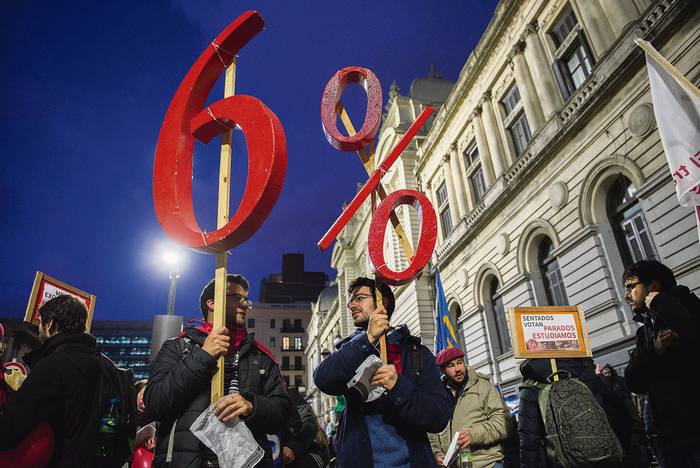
[238, 333]
[393, 355]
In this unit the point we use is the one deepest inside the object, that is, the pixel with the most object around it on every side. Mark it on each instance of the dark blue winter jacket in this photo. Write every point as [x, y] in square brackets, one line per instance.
[417, 404]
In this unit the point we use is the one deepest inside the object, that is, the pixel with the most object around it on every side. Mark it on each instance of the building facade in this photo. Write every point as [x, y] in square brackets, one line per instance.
[126, 342]
[546, 171]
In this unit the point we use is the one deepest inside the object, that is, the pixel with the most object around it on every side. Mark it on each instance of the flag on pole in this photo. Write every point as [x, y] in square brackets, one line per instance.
[445, 331]
[677, 110]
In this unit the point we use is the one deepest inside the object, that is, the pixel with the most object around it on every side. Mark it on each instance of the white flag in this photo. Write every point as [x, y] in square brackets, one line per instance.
[677, 109]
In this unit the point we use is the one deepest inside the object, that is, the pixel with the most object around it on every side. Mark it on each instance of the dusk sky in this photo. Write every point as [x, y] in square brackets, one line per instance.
[85, 88]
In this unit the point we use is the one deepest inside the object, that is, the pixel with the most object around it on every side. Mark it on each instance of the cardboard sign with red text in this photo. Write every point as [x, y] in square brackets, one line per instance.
[46, 288]
[549, 332]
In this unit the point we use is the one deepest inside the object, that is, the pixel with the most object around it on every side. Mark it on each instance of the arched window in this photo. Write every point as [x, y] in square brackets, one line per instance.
[628, 223]
[551, 274]
[455, 314]
[502, 342]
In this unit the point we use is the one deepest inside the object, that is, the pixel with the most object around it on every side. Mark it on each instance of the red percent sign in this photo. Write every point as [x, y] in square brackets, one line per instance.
[186, 119]
[428, 220]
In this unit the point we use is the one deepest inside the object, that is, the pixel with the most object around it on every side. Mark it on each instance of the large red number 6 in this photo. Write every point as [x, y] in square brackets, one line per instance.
[186, 119]
[426, 242]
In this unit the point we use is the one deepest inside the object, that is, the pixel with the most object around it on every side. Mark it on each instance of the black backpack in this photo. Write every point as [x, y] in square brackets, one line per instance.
[112, 383]
[578, 433]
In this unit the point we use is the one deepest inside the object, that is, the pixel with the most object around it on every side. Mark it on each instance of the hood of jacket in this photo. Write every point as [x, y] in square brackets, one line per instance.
[402, 330]
[83, 343]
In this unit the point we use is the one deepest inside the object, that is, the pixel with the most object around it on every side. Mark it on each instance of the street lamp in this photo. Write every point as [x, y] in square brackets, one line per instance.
[169, 325]
[172, 260]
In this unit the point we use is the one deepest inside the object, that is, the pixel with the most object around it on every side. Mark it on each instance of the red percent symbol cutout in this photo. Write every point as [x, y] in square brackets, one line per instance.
[426, 243]
[374, 180]
[186, 119]
[331, 96]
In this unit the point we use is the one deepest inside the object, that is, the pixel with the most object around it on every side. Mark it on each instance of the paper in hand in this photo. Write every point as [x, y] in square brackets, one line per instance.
[232, 442]
[451, 451]
[363, 378]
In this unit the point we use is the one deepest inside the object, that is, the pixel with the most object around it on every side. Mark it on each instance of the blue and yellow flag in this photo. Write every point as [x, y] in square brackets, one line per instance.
[445, 330]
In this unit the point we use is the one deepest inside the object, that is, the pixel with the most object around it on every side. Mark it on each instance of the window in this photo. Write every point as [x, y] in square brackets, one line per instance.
[285, 362]
[286, 380]
[574, 60]
[285, 343]
[297, 363]
[444, 209]
[502, 342]
[628, 223]
[286, 324]
[297, 324]
[298, 382]
[251, 323]
[273, 342]
[475, 171]
[298, 346]
[272, 323]
[516, 121]
[551, 274]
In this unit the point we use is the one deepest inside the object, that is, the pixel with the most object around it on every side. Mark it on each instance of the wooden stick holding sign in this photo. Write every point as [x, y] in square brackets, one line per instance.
[356, 141]
[186, 120]
[222, 218]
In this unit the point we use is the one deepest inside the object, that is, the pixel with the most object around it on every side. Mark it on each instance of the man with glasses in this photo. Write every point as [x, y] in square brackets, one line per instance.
[666, 356]
[390, 431]
[178, 390]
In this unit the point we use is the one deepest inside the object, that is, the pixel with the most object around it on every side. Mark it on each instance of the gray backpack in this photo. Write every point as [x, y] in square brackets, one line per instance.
[578, 433]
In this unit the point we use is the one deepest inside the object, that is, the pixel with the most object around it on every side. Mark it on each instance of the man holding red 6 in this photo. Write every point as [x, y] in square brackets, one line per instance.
[392, 430]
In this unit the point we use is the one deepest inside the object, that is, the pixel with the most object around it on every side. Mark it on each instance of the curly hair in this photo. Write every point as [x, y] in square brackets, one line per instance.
[208, 291]
[66, 314]
[384, 289]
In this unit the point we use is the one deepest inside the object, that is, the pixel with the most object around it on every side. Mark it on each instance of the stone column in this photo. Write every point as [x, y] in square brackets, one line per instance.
[600, 32]
[482, 145]
[620, 13]
[528, 95]
[458, 179]
[541, 72]
[492, 136]
[450, 183]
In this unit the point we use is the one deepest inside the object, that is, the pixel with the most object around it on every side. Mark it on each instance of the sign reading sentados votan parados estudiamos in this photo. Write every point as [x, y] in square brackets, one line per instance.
[549, 332]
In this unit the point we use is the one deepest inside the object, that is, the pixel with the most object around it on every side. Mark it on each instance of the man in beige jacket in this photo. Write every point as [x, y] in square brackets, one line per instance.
[479, 414]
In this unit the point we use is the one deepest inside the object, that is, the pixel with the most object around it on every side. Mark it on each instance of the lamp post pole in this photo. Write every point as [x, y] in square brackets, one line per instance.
[174, 275]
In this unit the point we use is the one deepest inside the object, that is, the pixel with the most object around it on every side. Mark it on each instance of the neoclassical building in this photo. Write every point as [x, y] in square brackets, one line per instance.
[547, 174]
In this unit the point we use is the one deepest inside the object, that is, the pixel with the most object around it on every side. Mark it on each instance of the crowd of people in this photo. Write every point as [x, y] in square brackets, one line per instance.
[76, 409]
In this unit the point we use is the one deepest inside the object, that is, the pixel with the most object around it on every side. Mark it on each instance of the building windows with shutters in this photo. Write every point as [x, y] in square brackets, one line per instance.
[573, 59]
[515, 120]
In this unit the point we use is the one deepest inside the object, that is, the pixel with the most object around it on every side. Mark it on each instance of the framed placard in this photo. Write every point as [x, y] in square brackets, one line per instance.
[45, 288]
[549, 332]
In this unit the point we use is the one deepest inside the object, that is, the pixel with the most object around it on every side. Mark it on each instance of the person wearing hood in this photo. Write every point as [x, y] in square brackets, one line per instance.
[479, 413]
[58, 390]
[390, 431]
[666, 356]
[178, 390]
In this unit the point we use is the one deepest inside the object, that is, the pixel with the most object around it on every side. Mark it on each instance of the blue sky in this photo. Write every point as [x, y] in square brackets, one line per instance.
[86, 85]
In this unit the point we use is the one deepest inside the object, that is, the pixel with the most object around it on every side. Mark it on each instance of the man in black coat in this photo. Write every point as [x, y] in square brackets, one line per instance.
[666, 356]
[178, 390]
[60, 387]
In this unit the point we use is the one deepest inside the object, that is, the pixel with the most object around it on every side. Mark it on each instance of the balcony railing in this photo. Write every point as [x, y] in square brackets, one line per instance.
[291, 349]
[291, 329]
[292, 367]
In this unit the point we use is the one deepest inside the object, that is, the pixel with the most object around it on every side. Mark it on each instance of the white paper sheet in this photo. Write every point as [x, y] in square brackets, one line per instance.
[451, 451]
[232, 442]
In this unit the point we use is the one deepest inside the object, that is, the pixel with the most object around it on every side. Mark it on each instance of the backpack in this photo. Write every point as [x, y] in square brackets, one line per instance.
[112, 383]
[578, 433]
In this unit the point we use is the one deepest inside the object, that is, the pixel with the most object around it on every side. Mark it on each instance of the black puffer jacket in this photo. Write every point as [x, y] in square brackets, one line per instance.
[665, 377]
[59, 392]
[530, 426]
[179, 390]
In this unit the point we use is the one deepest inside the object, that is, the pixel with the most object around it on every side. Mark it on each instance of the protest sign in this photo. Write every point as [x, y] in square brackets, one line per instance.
[549, 332]
[46, 288]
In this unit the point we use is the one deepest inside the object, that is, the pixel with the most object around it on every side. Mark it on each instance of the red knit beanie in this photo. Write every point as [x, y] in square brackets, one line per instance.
[447, 355]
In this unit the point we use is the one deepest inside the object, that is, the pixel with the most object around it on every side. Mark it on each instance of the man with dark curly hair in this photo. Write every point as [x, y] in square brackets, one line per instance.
[57, 390]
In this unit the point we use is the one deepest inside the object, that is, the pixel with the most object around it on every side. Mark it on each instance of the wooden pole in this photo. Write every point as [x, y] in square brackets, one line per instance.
[553, 363]
[217, 380]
